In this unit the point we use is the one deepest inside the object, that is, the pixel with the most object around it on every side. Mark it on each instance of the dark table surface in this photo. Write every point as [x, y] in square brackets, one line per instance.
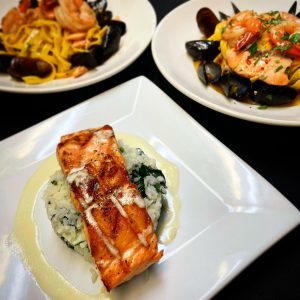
[272, 151]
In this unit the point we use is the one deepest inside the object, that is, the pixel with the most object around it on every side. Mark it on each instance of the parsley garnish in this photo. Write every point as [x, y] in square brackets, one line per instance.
[278, 68]
[223, 29]
[283, 47]
[287, 70]
[285, 37]
[263, 106]
[252, 49]
[295, 38]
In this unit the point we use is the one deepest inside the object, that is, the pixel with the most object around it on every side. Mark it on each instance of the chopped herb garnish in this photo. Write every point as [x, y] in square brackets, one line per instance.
[295, 38]
[278, 68]
[54, 182]
[277, 61]
[269, 97]
[223, 29]
[276, 21]
[263, 106]
[273, 12]
[257, 60]
[122, 149]
[266, 54]
[283, 47]
[287, 70]
[252, 49]
[263, 77]
[286, 36]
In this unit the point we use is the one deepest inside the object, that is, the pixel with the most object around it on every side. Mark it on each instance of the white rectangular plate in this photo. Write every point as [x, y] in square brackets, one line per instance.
[229, 214]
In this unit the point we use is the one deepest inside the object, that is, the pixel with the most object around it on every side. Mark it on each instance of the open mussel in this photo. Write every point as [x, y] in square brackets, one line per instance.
[267, 94]
[235, 86]
[203, 49]
[209, 72]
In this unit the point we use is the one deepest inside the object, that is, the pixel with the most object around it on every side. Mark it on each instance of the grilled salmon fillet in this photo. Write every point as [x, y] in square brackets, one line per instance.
[116, 223]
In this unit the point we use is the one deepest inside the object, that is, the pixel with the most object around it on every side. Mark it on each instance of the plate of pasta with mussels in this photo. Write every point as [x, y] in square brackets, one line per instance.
[238, 58]
[57, 45]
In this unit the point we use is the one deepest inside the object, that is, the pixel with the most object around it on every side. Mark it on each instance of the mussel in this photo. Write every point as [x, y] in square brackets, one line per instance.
[26, 66]
[206, 21]
[235, 86]
[209, 72]
[267, 94]
[98, 54]
[5, 61]
[203, 49]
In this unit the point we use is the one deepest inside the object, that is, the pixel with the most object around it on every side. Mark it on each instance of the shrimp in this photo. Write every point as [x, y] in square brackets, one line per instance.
[12, 20]
[17, 16]
[271, 68]
[47, 8]
[74, 15]
[286, 37]
[242, 29]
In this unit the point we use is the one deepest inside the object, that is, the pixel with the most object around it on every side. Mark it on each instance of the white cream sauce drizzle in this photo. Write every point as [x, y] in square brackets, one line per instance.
[81, 177]
[118, 206]
[90, 219]
[129, 196]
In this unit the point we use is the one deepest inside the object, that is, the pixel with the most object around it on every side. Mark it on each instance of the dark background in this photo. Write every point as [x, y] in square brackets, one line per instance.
[272, 151]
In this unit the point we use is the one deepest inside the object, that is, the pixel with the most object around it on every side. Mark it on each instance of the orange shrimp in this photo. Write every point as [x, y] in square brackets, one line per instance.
[242, 29]
[17, 16]
[286, 37]
[75, 15]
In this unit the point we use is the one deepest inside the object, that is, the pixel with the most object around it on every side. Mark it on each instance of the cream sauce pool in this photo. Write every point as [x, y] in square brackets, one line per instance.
[25, 231]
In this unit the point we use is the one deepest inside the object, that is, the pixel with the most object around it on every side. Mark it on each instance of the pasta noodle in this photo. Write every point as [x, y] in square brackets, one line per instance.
[47, 40]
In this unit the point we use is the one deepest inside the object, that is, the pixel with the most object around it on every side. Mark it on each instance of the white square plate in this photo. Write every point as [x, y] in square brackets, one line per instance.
[229, 214]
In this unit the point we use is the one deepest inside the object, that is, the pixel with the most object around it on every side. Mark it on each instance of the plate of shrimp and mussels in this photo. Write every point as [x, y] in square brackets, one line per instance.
[239, 60]
[58, 45]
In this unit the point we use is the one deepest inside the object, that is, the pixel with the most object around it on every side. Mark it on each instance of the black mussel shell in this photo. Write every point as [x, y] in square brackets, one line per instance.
[203, 49]
[235, 86]
[5, 61]
[209, 72]
[206, 21]
[293, 8]
[104, 18]
[121, 26]
[110, 45]
[223, 16]
[86, 59]
[98, 6]
[235, 8]
[26, 66]
[267, 94]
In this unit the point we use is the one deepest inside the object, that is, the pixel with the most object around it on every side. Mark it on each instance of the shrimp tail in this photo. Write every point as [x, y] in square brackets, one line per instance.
[246, 39]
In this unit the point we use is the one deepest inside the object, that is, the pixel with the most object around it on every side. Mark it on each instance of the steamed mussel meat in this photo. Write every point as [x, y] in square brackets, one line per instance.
[209, 72]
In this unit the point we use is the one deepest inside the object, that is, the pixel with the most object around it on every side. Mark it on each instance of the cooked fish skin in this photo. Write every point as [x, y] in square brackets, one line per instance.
[116, 224]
